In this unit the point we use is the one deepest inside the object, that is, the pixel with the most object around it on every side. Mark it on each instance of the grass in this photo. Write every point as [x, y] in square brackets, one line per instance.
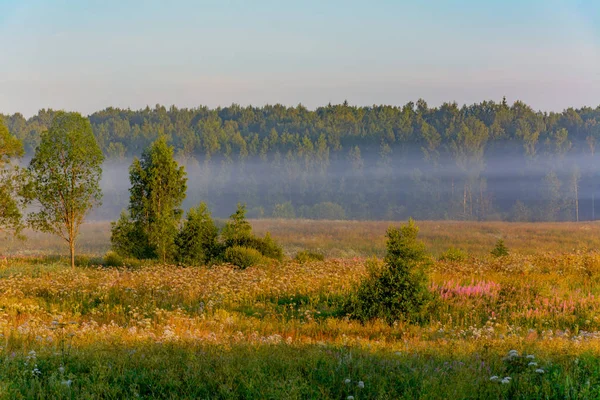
[347, 239]
[278, 330]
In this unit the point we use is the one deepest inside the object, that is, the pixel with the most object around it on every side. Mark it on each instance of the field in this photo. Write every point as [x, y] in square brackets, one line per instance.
[522, 326]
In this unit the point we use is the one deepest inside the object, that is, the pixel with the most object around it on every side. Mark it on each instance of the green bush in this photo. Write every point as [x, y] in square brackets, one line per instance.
[454, 254]
[500, 249]
[398, 289]
[308, 256]
[243, 257]
[129, 240]
[112, 259]
[196, 242]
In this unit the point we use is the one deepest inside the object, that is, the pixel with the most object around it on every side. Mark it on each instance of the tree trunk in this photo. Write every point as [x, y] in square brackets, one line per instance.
[72, 249]
[465, 201]
[576, 201]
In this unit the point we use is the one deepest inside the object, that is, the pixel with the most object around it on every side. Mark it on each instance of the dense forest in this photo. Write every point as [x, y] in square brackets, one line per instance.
[485, 161]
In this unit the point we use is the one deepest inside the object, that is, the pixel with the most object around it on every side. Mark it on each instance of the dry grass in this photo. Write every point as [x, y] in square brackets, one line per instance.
[346, 239]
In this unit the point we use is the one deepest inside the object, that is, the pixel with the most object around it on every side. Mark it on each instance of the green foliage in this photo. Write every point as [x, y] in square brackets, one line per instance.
[284, 211]
[237, 229]
[64, 178]
[243, 257]
[10, 149]
[128, 239]
[197, 241]
[500, 249]
[238, 232]
[308, 256]
[454, 254]
[112, 259]
[158, 187]
[398, 289]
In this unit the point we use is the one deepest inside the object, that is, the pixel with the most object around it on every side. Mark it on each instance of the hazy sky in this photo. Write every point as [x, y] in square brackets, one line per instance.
[87, 55]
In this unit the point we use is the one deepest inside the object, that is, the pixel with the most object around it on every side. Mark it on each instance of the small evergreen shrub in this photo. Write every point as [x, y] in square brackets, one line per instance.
[243, 257]
[398, 289]
[500, 250]
[196, 242]
[308, 256]
[454, 254]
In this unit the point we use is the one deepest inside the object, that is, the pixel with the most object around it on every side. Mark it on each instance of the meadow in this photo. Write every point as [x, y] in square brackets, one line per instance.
[522, 326]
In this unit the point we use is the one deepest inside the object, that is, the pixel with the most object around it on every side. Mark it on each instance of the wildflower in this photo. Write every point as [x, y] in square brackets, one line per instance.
[530, 356]
[36, 372]
[506, 380]
[347, 381]
[361, 384]
[61, 369]
[67, 383]
[494, 378]
[350, 398]
[513, 353]
[532, 364]
[540, 371]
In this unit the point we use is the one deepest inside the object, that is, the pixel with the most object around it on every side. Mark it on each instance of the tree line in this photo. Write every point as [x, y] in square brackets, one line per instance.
[485, 161]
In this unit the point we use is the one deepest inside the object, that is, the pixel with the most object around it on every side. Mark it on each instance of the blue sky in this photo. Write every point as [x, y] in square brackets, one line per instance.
[87, 55]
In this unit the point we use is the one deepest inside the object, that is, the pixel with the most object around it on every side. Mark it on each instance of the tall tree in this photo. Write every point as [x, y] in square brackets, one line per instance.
[64, 178]
[10, 148]
[158, 186]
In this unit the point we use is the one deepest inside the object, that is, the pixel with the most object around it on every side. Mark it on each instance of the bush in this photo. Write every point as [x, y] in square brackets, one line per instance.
[500, 250]
[238, 232]
[129, 240]
[112, 259]
[237, 228]
[196, 242]
[398, 289]
[454, 255]
[243, 257]
[307, 256]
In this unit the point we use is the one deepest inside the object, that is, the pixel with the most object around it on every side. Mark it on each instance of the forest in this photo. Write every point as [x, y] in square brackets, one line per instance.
[486, 161]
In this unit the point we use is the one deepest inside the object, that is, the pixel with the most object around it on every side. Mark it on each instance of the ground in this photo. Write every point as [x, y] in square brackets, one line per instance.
[522, 326]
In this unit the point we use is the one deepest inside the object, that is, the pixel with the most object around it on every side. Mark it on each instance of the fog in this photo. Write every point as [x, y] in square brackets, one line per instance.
[537, 188]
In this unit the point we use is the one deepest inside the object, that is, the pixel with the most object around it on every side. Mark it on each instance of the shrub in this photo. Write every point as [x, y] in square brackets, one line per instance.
[500, 250]
[237, 229]
[307, 256]
[398, 289]
[129, 240]
[243, 257]
[196, 242]
[238, 232]
[454, 254]
[112, 259]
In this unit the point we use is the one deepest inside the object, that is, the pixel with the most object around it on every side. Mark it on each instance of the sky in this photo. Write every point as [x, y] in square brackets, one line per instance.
[89, 55]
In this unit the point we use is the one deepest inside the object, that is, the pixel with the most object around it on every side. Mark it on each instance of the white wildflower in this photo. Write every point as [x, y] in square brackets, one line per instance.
[530, 356]
[361, 384]
[67, 383]
[61, 369]
[532, 364]
[347, 381]
[350, 398]
[540, 371]
[494, 378]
